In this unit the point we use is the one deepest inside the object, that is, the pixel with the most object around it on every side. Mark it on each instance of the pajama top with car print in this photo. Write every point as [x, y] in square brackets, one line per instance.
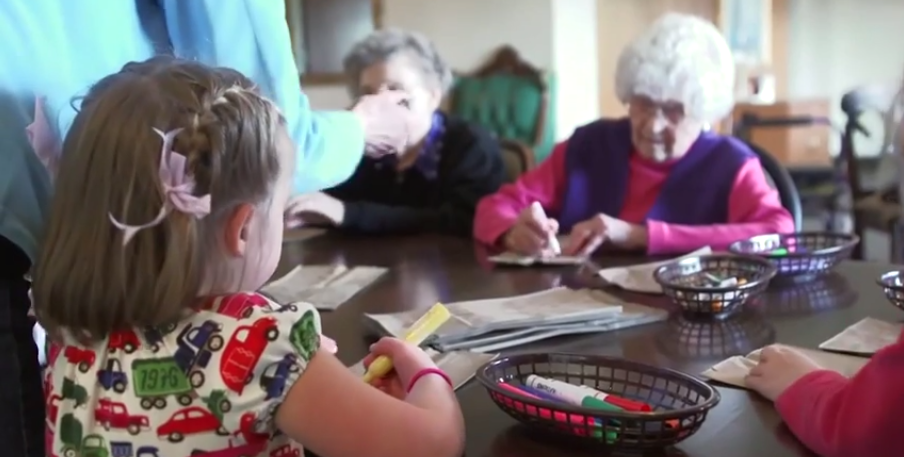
[207, 386]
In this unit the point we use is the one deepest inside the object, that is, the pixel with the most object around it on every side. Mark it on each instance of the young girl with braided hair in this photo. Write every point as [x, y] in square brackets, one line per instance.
[169, 207]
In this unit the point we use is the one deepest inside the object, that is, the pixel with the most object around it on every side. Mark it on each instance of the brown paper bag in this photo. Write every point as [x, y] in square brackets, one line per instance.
[324, 286]
[733, 370]
[513, 259]
[865, 337]
[639, 278]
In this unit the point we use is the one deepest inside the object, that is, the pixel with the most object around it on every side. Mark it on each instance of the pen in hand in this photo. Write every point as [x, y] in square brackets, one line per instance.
[552, 241]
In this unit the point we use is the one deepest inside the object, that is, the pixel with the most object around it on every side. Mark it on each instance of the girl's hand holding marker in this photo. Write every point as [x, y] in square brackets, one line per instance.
[396, 365]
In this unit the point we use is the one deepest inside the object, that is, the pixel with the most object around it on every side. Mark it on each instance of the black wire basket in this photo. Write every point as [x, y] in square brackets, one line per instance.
[712, 339]
[715, 285]
[893, 285]
[678, 403]
[800, 256]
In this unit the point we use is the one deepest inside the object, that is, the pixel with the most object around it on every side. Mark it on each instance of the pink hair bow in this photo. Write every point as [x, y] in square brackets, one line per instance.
[178, 188]
[43, 140]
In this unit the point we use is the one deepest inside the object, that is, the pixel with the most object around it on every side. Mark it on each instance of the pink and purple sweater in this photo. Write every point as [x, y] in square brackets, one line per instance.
[714, 195]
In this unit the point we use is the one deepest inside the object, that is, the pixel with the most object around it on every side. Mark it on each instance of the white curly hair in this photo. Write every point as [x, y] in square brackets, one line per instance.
[381, 45]
[680, 58]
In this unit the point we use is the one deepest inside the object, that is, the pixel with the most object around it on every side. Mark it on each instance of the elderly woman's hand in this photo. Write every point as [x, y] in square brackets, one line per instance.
[587, 236]
[314, 209]
[530, 234]
[386, 120]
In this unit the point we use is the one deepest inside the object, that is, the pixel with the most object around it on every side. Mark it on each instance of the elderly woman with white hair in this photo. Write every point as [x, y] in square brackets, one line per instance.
[435, 185]
[656, 180]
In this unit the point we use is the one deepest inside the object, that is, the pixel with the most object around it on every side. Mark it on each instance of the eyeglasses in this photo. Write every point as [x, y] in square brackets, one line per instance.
[644, 106]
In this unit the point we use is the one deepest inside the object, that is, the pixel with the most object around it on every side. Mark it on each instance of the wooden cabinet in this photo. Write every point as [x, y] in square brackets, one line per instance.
[794, 147]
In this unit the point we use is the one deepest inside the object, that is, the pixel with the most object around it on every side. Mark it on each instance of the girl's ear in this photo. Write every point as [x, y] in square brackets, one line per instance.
[235, 230]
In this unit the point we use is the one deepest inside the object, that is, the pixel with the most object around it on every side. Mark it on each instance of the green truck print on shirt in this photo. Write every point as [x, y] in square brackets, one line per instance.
[305, 337]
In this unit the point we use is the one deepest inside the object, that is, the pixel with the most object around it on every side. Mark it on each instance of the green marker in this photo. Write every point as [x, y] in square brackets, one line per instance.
[596, 403]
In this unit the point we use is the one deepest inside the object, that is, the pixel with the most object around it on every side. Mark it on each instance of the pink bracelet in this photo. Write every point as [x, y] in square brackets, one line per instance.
[420, 374]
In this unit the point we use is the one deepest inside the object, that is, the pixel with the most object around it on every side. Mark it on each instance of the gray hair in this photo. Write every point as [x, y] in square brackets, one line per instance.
[381, 45]
[682, 58]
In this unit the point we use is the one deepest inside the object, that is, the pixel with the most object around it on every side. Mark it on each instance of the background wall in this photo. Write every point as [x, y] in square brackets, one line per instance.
[836, 45]
[558, 36]
[828, 46]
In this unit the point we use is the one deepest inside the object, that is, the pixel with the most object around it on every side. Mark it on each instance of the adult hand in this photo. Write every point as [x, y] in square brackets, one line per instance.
[387, 122]
[587, 236]
[779, 367]
[530, 234]
[407, 361]
[314, 209]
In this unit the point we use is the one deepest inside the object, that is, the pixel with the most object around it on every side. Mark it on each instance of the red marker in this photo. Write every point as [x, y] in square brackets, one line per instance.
[626, 404]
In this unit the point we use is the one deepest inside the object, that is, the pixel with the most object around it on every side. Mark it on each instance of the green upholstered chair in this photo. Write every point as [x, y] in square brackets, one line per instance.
[517, 158]
[511, 98]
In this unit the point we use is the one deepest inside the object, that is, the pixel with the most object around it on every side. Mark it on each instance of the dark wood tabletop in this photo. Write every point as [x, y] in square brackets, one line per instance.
[427, 269]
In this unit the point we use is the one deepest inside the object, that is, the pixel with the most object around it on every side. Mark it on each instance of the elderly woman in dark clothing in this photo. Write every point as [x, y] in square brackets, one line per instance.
[435, 185]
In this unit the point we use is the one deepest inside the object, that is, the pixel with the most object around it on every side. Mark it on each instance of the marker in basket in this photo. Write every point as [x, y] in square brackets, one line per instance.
[539, 394]
[553, 242]
[573, 419]
[429, 323]
[586, 396]
[559, 416]
[718, 282]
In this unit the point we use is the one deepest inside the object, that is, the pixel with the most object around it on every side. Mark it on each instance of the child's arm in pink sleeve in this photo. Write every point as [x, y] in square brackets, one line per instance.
[839, 417]
[754, 209]
[496, 213]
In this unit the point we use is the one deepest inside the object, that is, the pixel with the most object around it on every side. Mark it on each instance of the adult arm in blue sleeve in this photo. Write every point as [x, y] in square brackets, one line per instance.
[252, 36]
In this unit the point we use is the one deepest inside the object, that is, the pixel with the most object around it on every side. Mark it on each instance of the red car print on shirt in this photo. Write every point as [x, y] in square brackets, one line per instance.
[246, 430]
[239, 306]
[190, 421]
[53, 408]
[286, 450]
[53, 352]
[113, 414]
[244, 350]
[84, 358]
[123, 340]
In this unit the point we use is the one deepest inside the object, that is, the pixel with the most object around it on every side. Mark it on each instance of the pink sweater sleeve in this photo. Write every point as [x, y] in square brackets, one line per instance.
[754, 209]
[839, 417]
[496, 213]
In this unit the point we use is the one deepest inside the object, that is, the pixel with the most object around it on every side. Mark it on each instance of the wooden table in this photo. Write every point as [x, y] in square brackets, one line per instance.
[429, 269]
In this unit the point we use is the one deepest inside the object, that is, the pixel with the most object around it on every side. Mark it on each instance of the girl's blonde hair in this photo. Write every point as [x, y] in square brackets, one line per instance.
[86, 281]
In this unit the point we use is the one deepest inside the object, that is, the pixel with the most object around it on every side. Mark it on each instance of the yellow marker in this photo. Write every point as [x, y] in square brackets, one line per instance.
[416, 334]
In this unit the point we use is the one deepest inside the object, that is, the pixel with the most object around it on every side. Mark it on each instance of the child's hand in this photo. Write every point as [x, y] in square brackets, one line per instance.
[530, 234]
[407, 359]
[391, 385]
[328, 344]
[779, 368]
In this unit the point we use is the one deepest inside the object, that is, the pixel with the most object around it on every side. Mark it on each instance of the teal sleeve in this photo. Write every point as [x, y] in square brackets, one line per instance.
[252, 36]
